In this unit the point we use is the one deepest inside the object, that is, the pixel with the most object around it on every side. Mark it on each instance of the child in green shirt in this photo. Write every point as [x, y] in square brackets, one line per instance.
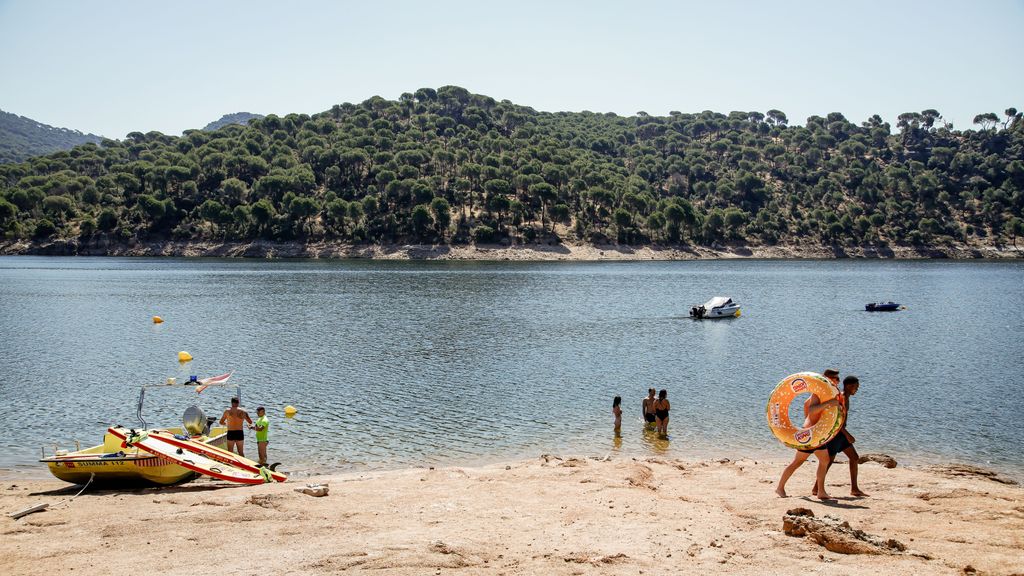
[262, 428]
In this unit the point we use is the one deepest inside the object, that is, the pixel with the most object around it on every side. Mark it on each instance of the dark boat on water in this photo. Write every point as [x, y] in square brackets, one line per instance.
[882, 307]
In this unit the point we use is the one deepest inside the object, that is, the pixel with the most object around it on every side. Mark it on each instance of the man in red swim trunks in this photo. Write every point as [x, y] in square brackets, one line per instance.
[234, 417]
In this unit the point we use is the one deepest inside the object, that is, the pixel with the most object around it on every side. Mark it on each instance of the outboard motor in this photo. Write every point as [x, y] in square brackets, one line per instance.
[194, 421]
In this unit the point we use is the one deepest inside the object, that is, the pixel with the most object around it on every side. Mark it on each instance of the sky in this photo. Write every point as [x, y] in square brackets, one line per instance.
[113, 67]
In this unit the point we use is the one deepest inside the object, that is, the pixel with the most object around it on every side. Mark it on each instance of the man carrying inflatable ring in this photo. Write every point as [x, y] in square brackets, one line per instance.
[821, 429]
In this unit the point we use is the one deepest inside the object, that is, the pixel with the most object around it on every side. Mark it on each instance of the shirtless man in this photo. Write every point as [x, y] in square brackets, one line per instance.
[843, 442]
[648, 406]
[813, 407]
[236, 434]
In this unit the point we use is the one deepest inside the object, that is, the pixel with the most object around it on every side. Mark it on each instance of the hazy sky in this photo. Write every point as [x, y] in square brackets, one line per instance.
[112, 67]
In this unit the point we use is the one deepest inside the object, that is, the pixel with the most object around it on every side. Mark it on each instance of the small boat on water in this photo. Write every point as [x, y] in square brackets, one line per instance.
[717, 307]
[882, 307]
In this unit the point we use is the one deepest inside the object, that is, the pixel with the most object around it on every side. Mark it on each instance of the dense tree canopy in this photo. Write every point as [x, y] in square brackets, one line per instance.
[446, 165]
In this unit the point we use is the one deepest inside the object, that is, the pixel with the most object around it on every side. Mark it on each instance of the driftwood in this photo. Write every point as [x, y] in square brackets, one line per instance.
[27, 511]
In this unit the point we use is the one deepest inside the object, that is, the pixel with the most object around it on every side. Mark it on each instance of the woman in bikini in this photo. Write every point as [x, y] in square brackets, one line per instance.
[661, 408]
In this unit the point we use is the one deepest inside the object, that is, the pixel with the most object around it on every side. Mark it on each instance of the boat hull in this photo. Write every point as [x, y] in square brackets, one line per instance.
[110, 465]
[717, 313]
[726, 312]
[121, 471]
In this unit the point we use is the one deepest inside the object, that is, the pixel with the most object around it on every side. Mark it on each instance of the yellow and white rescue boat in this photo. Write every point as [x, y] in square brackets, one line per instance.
[112, 464]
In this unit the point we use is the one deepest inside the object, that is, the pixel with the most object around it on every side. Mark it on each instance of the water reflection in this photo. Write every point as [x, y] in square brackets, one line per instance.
[655, 443]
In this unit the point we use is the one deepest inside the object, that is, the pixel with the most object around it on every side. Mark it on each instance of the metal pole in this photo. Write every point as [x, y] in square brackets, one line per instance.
[142, 397]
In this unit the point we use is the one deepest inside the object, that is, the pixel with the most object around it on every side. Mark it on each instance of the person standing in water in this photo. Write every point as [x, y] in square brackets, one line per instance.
[617, 411]
[262, 428]
[661, 408]
[234, 417]
[813, 407]
[648, 406]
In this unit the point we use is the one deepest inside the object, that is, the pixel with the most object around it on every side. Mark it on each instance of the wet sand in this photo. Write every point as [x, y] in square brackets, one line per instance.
[550, 515]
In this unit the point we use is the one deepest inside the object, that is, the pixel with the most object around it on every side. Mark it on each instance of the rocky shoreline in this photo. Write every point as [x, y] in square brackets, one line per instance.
[263, 249]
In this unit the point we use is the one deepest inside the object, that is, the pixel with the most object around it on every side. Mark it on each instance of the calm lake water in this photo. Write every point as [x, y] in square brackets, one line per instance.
[393, 364]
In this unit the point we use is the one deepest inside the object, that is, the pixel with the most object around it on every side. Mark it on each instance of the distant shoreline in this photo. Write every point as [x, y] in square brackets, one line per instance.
[527, 252]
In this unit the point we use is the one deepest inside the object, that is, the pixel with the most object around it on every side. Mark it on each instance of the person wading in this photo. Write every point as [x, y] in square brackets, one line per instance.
[648, 406]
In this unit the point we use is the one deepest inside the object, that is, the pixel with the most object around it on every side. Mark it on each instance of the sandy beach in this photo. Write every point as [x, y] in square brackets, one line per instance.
[549, 515]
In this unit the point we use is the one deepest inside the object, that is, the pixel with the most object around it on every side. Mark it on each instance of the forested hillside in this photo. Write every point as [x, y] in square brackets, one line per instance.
[448, 166]
[22, 138]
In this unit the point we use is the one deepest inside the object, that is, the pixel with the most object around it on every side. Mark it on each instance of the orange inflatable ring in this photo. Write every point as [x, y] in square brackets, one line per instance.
[828, 424]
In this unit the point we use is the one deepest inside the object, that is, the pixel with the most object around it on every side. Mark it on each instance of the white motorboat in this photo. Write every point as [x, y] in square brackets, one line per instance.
[717, 307]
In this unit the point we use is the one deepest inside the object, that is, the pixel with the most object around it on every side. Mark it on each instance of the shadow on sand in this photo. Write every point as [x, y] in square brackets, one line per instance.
[842, 503]
[100, 490]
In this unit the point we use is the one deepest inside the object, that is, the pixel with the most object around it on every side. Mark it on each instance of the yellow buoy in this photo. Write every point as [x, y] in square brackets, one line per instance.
[158, 320]
[737, 313]
[184, 356]
[290, 411]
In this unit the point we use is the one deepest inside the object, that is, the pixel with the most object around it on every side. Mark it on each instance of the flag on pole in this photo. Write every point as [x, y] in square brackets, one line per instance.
[205, 382]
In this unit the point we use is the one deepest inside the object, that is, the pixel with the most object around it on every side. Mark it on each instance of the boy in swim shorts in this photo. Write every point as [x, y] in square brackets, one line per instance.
[648, 407]
[262, 428]
[843, 442]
